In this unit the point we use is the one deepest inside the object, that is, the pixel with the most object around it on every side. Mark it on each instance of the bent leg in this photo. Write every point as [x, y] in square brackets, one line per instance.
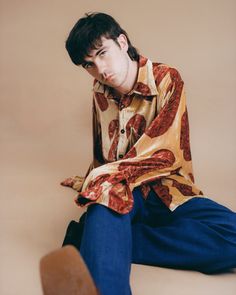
[106, 247]
[199, 235]
[104, 239]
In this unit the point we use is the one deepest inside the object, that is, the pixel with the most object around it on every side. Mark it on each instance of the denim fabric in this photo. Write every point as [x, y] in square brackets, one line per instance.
[199, 235]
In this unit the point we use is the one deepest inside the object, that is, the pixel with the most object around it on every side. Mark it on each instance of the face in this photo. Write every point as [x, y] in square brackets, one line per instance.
[110, 63]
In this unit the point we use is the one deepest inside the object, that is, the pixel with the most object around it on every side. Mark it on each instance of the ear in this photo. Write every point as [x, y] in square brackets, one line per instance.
[122, 40]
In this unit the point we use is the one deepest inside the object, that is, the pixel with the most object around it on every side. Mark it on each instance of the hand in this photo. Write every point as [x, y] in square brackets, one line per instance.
[74, 182]
[68, 182]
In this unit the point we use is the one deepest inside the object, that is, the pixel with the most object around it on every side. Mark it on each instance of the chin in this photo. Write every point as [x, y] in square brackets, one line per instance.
[112, 84]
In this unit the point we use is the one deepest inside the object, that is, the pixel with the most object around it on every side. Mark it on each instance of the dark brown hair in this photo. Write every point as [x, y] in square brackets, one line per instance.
[86, 36]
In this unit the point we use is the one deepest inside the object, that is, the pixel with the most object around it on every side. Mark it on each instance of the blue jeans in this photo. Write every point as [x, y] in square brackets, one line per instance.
[198, 235]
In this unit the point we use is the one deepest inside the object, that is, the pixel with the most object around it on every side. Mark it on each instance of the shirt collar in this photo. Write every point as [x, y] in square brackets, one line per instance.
[145, 84]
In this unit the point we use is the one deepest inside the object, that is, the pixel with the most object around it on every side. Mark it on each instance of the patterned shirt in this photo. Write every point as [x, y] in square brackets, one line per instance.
[140, 139]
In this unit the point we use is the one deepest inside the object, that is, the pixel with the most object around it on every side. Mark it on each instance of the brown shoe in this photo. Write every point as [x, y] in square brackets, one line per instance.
[63, 272]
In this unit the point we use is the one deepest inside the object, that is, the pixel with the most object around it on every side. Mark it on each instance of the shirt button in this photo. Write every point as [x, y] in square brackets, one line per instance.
[122, 131]
[121, 156]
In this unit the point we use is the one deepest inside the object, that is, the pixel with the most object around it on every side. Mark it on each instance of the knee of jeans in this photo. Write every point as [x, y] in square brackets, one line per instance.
[95, 214]
[99, 211]
[100, 216]
[96, 208]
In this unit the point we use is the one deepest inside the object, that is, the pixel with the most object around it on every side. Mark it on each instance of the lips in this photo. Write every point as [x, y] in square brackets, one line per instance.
[109, 78]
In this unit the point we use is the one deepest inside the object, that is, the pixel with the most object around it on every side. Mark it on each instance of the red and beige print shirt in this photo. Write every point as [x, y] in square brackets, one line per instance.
[139, 139]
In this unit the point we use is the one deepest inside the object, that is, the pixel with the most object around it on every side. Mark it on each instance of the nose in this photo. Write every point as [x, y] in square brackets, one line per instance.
[102, 69]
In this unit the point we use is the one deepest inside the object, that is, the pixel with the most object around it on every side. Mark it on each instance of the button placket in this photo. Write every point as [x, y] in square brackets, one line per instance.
[121, 143]
[121, 106]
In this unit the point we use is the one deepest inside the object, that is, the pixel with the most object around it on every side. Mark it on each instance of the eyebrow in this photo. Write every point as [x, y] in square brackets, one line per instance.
[101, 49]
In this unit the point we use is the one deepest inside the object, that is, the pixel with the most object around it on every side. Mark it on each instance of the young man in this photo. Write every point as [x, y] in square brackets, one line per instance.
[143, 205]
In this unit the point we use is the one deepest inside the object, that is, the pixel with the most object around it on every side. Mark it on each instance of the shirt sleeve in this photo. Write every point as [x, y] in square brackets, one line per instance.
[162, 150]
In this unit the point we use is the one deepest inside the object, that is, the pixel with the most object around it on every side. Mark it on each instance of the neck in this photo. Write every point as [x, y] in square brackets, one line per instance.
[131, 78]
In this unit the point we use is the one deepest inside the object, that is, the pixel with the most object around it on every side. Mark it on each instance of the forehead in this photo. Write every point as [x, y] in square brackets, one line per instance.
[105, 43]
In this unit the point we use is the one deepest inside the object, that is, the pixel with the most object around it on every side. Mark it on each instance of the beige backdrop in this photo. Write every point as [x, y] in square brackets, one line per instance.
[46, 111]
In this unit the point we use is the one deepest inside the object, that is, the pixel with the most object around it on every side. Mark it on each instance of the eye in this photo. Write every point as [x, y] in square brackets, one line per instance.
[87, 65]
[102, 53]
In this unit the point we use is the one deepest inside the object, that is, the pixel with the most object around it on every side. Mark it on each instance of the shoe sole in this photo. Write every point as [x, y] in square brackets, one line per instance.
[64, 272]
